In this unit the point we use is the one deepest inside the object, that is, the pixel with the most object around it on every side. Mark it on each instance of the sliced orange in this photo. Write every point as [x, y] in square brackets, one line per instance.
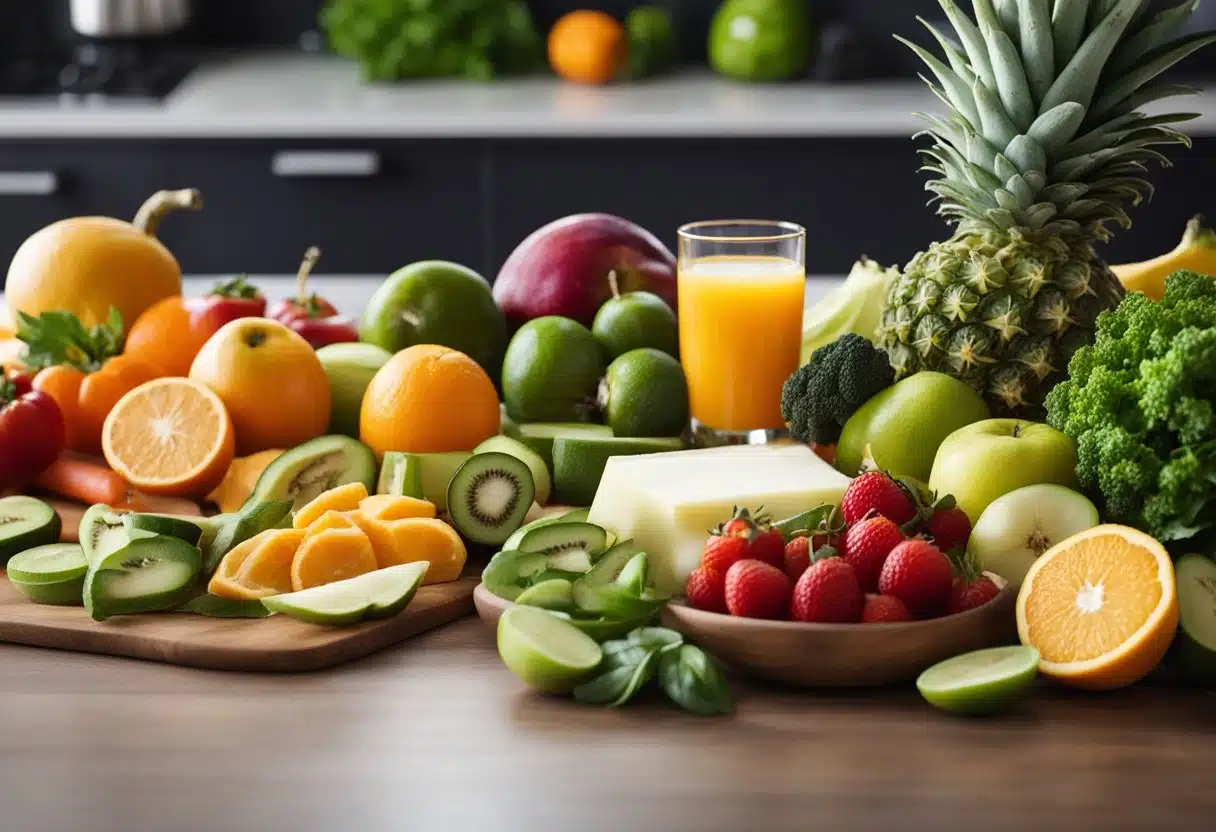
[170, 436]
[343, 498]
[1100, 607]
[331, 553]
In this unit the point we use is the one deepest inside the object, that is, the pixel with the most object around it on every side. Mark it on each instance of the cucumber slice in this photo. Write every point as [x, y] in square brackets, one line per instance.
[50, 574]
[401, 475]
[610, 564]
[25, 523]
[579, 515]
[579, 463]
[428, 475]
[539, 436]
[507, 572]
[633, 575]
[614, 601]
[553, 594]
[304, 472]
[980, 682]
[1193, 653]
[167, 524]
[102, 530]
[585, 539]
[252, 519]
[377, 594]
[147, 574]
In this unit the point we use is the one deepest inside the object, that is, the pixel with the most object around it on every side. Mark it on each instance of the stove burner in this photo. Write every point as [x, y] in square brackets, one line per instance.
[98, 69]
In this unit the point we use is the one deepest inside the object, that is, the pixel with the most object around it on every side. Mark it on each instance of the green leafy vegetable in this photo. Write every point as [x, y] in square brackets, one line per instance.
[213, 606]
[1141, 405]
[690, 678]
[58, 337]
[397, 39]
[841, 376]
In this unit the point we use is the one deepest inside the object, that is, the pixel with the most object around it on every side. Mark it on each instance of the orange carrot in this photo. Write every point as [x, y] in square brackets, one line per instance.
[84, 481]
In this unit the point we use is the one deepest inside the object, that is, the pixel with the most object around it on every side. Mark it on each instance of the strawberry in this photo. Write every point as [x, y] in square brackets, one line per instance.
[721, 553]
[967, 595]
[797, 557]
[866, 546]
[706, 589]
[949, 528]
[769, 546]
[744, 536]
[917, 573]
[876, 491]
[884, 609]
[828, 592]
[755, 589]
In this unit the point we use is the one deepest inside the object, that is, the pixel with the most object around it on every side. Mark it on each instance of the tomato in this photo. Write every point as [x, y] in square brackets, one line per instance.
[31, 435]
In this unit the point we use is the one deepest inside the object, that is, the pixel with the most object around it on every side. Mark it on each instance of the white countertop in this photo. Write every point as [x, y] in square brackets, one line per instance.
[295, 95]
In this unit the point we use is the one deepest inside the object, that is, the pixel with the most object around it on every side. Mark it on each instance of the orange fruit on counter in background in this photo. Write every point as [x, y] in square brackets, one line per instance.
[271, 381]
[588, 47]
[429, 399]
[343, 498]
[169, 436]
[330, 553]
[1100, 607]
[85, 265]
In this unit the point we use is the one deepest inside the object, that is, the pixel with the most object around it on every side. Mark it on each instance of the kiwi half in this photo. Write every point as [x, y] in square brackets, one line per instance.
[304, 472]
[25, 522]
[489, 496]
[102, 530]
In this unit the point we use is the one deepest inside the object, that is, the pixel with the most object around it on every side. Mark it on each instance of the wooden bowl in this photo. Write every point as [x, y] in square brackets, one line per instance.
[844, 655]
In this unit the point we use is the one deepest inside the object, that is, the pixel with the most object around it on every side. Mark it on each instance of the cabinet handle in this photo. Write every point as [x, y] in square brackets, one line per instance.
[326, 163]
[28, 182]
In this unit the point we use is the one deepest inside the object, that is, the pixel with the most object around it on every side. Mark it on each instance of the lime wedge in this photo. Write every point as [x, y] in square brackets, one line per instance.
[51, 574]
[980, 682]
[554, 594]
[377, 594]
[545, 651]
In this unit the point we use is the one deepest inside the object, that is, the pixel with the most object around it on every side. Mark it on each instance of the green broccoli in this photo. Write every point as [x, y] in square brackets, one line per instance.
[841, 376]
[1139, 402]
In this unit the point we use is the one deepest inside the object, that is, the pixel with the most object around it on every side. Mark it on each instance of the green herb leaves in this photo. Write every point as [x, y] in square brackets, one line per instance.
[58, 337]
[688, 676]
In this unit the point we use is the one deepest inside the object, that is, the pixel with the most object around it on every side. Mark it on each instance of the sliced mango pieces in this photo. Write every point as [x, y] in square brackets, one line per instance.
[343, 498]
[334, 549]
[405, 530]
[259, 567]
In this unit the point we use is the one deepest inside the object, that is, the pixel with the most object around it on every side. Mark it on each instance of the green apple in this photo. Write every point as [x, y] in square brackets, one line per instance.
[903, 425]
[988, 459]
[350, 367]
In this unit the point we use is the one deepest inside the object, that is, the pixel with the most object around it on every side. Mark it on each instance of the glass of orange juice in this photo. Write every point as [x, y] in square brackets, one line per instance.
[741, 285]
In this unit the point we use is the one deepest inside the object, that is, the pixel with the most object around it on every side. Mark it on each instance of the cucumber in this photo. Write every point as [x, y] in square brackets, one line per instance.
[578, 515]
[401, 475]
[584, 539]
[304, 472]
[25, 523]
[609, 566]
[579, 462]
[1193, 653]
[539, 436]
[555, 594]
[50, 574]
[167, 524]
[425, 476]
[507, 572]
[146, 575]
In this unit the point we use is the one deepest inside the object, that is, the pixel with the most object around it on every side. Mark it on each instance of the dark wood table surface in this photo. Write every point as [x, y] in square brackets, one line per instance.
[437, 735]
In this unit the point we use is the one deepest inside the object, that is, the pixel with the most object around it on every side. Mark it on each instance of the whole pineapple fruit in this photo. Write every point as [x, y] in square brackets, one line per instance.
[1043, 147]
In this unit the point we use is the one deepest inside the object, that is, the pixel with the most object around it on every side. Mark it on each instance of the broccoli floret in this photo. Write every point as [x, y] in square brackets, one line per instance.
[1141, 405]
[841, 376]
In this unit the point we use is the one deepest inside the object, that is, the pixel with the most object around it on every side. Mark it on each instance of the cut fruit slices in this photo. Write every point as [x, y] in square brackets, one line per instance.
[1193, 653]
[50, 574]
[582, 539]
[101, 531]
[578, 515]
[980, 682]
[179, 527]
[545, 651]
[147, 574]
[1100, 607]
[170, 436]
[378, 594]
[26, 522]
[554, 594]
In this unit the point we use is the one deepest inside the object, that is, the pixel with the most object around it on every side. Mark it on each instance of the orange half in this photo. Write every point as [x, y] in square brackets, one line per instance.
[1100, 607]
[170, 436]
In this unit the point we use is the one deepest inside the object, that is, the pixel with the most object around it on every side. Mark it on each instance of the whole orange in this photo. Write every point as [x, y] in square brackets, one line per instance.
[588, 47]
[429, 399]
[271, 381]
[167, 335]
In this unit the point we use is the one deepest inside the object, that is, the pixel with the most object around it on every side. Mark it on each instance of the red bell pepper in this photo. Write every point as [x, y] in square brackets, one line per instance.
[314, 318]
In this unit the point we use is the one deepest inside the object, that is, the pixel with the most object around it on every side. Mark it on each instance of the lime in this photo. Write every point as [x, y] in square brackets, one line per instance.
[644, 393]
[545, 651]
[634, 320]
[652, 40]
[551, 371]
[377, 594]
[980, 682]
[760, 40]
[554, 594]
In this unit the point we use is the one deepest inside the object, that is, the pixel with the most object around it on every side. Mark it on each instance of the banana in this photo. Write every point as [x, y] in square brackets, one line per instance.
[1196, 252]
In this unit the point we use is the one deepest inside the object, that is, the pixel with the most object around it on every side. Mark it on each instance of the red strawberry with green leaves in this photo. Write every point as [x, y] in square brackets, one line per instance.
[721, 553]
[706, 589]
[919, 574]
[866, 546]
[884, 609]
[971, 587]
[878, 491]
[755, 589]
[744, 535]
[949, 526]
[828, 592]
[797, 556]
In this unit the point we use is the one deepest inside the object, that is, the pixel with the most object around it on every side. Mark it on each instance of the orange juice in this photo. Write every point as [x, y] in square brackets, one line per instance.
[740, 337]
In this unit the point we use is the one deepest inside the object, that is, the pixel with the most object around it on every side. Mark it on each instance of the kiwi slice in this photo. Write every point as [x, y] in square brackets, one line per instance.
[507, 574]
[579, 462]
[572, 546]
[489, 496]
[610, 565]
[146, 575]
[237, 528]
[169, 524]
[401, 475]
[25, 522]
[541, 477]
[102, 530]
[50, 574]
[304, 472]
[539, 436]
[578, 515]
[1193, 653]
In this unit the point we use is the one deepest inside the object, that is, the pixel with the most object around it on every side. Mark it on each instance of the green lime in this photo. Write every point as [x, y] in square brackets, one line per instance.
[50, 574]
[980, 682]
[378, 594]
[652, 40]
[645, 394]
[555, 594]
[551, 371]
[635, 320]
[545, 651]
[760, 40]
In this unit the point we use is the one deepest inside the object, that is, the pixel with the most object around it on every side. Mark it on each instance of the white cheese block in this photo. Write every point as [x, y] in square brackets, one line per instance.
[668, 503]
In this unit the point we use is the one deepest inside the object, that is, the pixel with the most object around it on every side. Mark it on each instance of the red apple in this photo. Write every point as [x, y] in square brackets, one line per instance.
[563, 268]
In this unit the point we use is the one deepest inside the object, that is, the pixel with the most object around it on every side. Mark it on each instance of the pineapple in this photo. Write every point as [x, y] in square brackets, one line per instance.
[1042, 149]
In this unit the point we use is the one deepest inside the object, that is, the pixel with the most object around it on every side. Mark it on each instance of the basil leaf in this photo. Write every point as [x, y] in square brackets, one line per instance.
[622, 653]
[607, 687]
[215, 607]
[632, 578]
[642, 674]
[662, 638]
[692, 680]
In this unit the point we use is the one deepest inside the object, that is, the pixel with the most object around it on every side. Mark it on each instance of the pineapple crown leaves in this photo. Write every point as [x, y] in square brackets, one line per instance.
[1044, 131]
[58, 337]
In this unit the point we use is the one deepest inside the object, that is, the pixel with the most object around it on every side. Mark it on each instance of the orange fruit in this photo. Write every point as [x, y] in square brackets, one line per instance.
[1100, 607]
[429, 399]
[169, 436]
[270, 380]
[168, 336]
[588, 47]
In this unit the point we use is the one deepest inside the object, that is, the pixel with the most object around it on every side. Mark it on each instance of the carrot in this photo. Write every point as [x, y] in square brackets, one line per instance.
[84, 481]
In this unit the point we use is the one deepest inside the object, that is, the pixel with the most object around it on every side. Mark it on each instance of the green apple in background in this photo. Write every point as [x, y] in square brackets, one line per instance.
[350, 367]
[437, 302]
[988, 459]
[903, 425]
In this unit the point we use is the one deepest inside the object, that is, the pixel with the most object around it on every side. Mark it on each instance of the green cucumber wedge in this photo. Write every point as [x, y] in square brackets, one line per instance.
[148, 574]
[980, 682]
[554, 594]
[167, 524]
[578, 515]
[1193, 653]
[401, 475]
[379, 594]
[26, 522]
[50, 574]
[305, 471]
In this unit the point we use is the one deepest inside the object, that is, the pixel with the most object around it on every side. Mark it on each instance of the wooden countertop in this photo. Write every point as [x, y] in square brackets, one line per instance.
[437, 735]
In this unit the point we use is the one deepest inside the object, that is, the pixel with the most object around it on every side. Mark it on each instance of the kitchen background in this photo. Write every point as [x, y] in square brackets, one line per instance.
[832, 150]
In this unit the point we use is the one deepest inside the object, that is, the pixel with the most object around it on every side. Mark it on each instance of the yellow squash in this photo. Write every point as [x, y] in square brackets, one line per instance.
[1196, 252]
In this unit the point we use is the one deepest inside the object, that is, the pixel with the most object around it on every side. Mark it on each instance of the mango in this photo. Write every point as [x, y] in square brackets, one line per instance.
[331, 552]
[343, 498]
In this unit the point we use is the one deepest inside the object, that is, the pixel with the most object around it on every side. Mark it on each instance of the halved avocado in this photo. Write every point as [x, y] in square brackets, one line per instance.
[304, 472]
